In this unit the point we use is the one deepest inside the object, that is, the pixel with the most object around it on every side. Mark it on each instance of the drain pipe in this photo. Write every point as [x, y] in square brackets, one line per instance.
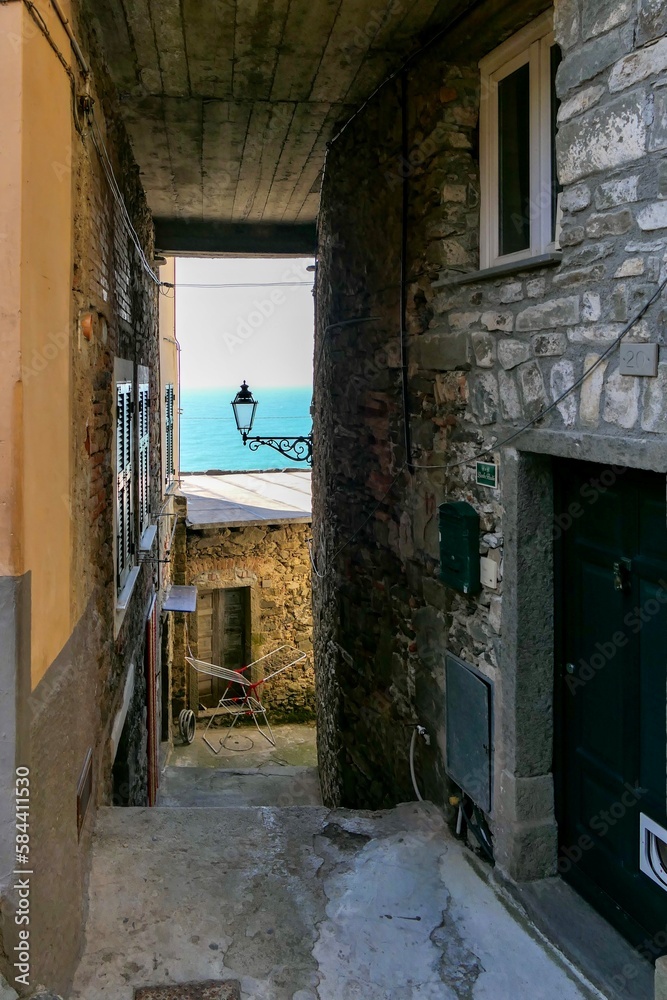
[417, 731]
[85, 69]
[405, 204]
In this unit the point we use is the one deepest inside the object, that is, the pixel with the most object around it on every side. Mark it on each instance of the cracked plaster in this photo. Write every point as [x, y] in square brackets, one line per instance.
[304, 904]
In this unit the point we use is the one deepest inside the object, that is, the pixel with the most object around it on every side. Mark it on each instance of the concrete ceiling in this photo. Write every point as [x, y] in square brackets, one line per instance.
[230, 103]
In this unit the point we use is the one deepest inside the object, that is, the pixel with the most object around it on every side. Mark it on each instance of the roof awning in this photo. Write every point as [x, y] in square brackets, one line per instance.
[181, 599]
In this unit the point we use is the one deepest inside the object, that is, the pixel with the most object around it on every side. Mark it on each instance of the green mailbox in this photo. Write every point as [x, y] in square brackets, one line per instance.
[459, 546]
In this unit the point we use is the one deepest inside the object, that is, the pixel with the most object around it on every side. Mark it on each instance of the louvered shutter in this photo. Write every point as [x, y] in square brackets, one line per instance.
[169, 433]
[144, 457]
[124, 514]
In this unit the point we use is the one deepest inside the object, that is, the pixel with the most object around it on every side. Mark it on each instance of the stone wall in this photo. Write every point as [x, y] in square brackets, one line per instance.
[484, 355]
[272, 561]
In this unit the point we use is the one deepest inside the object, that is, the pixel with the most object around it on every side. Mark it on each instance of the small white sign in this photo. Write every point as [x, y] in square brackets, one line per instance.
[639, 359]
[488, 573]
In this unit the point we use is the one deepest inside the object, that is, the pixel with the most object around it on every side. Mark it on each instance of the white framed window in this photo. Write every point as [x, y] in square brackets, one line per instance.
[519, 189]
[124, 513]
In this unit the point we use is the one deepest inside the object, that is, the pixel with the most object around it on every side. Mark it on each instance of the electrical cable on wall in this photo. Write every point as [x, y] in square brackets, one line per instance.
[575, 385]
[105, 160]
[239, 284]
[506, 440]
[107, 166]
[36, 16]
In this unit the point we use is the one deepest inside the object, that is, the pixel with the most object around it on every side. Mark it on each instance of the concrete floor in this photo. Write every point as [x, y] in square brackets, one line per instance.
[249, 772]
[296, 746]
[306, 904]
[276, 785]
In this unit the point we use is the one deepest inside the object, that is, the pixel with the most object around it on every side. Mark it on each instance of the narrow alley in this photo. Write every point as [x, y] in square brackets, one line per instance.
[333, 505]
[305, 903]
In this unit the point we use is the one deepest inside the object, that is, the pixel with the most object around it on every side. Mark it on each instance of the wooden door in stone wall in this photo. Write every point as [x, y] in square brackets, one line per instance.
[208, 688]
[223, 630]
[231, 630]
[230, 626]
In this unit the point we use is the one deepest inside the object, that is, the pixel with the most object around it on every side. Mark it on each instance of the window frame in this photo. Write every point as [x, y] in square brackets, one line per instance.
[532, 45]
[169, 403]
[124, 547]
[143, 477]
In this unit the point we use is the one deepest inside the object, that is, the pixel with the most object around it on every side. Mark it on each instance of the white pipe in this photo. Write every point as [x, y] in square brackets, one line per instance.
[412, 763]
[85, 69]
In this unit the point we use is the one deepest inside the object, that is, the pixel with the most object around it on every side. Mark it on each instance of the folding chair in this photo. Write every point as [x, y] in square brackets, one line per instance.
[246, 704]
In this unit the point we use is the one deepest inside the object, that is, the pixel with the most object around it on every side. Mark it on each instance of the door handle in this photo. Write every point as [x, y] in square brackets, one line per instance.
[622, 570]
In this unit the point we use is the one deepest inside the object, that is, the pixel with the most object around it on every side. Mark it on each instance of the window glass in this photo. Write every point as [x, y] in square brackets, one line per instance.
[514, 161]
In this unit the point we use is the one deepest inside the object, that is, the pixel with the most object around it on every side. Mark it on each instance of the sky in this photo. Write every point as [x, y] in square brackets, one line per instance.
[261, 334]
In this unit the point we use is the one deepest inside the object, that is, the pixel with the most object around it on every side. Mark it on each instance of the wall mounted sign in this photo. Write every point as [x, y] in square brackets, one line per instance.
[487, 475]
[639, 359]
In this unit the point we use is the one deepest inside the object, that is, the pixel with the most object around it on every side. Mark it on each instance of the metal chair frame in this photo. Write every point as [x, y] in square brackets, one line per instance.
[249, 703]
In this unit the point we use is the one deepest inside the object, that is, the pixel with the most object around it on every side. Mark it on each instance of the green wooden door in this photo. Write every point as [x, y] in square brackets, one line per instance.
[611, 686]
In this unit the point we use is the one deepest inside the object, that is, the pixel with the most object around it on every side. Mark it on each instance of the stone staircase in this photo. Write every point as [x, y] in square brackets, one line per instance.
[300, 902]
[269, 785]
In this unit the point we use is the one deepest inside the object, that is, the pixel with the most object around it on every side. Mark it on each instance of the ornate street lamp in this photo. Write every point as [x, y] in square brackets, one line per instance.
[299, 449]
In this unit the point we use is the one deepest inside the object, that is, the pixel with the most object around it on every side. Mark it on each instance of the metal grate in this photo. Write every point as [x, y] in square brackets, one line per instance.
[209, 990]
[469, 730]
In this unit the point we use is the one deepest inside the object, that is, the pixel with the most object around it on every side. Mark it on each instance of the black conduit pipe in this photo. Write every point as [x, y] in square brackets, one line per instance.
[405, 204]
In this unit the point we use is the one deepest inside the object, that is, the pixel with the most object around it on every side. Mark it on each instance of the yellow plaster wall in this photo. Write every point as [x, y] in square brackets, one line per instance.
[46, 334]
[169, 354]
[11, 61]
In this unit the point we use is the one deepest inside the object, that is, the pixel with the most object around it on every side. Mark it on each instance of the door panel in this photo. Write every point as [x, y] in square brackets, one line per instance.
[206, 685]
[230, 626]
[611, 686]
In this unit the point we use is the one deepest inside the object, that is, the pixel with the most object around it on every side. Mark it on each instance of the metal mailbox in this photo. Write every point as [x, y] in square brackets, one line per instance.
[459, 546]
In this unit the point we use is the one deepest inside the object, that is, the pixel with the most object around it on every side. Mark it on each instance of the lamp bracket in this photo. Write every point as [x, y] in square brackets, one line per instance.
[299, 449]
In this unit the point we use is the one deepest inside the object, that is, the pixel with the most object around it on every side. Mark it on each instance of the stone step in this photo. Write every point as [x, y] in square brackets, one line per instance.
[270, 785]
[304, 903]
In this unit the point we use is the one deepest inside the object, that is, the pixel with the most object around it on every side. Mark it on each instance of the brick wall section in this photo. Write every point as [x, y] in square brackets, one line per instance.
[110, 283]
[272, 560]
[483, 358]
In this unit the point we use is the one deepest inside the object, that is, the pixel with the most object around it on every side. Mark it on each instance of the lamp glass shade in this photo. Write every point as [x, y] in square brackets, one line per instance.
[244, 407]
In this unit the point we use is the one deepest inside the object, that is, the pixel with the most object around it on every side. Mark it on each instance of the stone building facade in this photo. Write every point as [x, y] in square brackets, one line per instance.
[433, 353]
[79, 302]
[254, 596]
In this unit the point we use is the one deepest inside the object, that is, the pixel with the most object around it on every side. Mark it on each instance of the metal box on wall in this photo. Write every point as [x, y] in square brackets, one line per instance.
[469, 730]
[459, 546]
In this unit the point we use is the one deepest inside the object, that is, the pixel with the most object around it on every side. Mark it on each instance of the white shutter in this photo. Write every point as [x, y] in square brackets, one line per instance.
[124, 513]
[144, 457]
[169, 433]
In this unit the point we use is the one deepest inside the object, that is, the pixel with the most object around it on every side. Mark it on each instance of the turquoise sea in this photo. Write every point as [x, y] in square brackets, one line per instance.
[210, 440]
